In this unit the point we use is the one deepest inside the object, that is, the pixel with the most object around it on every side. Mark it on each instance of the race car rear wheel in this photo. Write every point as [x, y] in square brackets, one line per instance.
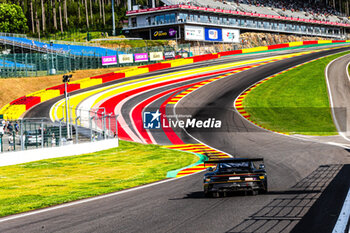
[207, 193]
[264, 190]
[216, 194]
[254, 192]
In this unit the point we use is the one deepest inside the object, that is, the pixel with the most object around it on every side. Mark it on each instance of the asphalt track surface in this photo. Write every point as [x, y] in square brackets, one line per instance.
[303, 176]
[339, 92]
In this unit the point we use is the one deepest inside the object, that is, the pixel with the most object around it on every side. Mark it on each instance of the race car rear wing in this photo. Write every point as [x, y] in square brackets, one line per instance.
[235, 160]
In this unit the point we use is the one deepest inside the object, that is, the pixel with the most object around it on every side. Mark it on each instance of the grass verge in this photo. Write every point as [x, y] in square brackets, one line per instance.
[294, 102]
[133, 43]
[49, 182]
[13, 88]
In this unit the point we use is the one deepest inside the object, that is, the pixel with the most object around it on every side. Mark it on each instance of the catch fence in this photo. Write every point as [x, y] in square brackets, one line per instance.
[49, 62]
[26, 134]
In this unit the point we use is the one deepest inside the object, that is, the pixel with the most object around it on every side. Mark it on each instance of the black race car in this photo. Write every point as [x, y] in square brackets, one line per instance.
[235, 174]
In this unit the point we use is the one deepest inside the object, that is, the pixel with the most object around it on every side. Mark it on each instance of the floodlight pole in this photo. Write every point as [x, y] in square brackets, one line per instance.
[66, 100]
[66, 79]
[52, 65]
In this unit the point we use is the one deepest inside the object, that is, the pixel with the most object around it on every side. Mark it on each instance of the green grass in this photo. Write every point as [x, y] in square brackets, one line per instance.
[135, 43]
[81, 37]
[75, 36]
[295, 102]
[54, 181]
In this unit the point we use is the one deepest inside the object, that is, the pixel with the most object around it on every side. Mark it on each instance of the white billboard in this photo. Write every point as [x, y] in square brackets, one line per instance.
[194, 33]
[230, 35]
[125, 58]
[156, 56]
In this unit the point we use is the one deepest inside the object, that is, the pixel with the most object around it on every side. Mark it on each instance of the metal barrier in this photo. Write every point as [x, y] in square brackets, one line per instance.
[13, 34]
[44, 62]
[26, 134]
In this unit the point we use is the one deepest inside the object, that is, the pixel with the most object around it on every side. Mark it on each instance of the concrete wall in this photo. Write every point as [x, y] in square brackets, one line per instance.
[19, 157]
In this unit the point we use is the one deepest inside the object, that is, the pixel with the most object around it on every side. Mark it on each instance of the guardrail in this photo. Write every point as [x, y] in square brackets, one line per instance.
[13, 34]
[27, 134]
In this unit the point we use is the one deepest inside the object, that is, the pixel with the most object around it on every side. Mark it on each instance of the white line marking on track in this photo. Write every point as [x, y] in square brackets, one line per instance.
[291, 136]
[331, 101]
[344, 214]
[125, 126]
[347, 70]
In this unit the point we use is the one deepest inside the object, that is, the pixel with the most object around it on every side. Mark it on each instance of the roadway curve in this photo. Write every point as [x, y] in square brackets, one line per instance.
[339, 93]
[300, 176]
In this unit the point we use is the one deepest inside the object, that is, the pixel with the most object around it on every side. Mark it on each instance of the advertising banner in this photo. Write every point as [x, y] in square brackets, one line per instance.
[213, 34]
[109, 60]
[168, 33]
[230, 35]
[125, 58]
[194, 33]
[169, 54]
[140, 57]
[156, 56]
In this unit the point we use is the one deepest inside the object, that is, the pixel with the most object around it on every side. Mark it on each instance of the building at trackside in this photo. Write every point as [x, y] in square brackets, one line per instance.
[223, 22]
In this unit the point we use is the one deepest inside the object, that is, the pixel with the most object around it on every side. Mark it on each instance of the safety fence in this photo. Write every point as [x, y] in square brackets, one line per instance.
[28, 64]
[26, 134]
[13, 34]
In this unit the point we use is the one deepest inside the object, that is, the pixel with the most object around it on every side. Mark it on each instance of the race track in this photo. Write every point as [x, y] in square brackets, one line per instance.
[304, 176]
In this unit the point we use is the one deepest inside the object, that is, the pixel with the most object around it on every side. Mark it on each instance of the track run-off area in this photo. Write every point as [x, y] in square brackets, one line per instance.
[308, 181]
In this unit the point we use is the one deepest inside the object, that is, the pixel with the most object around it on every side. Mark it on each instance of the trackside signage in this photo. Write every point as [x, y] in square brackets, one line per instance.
[156, 56]
[169, 54]
[155, 120]
[140, 57]
[213, 34]
[169, 33]
[125, 58]
[109, 60]
[230, 35]
[194, 33]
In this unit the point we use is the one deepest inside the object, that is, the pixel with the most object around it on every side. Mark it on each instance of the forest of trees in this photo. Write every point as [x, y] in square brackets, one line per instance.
[52, 16]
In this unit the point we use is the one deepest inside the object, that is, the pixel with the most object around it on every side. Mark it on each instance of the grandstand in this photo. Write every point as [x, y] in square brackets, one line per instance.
[288, 8]
[22, 56]
[287, 16]
[78, 50]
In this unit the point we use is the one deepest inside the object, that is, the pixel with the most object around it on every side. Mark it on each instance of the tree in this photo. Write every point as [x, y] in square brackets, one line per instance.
[65, 12]
[60, 12]
[79, 20]
[99, 4]
[37, 22]
[32, 16]
[43, 15]
[87, 14]
[92, 19]
[103, 12]
[12, 19]
[54, 14]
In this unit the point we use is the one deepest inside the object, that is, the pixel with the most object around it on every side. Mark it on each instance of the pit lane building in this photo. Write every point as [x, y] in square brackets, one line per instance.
[214, 21]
